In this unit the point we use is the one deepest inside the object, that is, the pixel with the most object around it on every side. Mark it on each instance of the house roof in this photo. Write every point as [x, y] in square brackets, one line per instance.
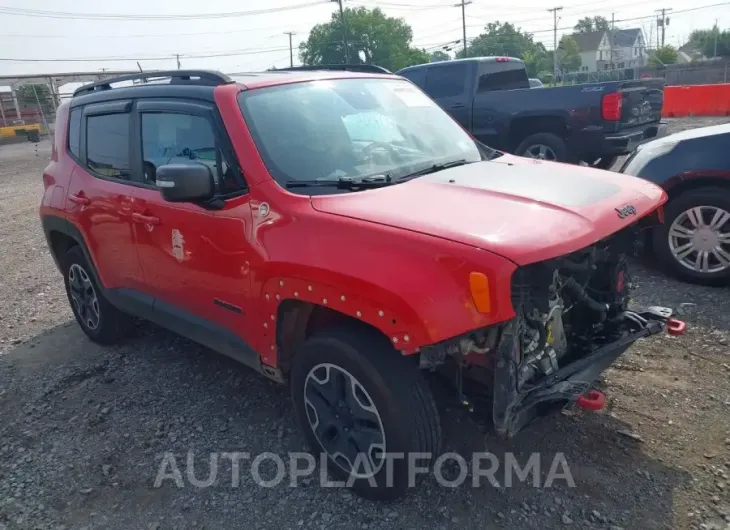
[625, 38]
[588, 41]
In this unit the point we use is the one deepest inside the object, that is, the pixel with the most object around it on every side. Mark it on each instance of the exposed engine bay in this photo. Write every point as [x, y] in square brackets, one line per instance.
[568, 306]
[572, 321]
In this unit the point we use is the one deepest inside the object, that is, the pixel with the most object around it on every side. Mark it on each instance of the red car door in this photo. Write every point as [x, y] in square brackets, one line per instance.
[101, 195]
[184, 252]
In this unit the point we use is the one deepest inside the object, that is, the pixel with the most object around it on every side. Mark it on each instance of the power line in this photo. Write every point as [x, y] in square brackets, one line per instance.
[121, 16]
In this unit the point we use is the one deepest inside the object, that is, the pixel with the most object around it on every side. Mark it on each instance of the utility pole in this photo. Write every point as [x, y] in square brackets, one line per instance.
[344, 30]
[717, 30]
[291, 48]
[554, 11]
[463, 5]
[177, 57]
[663, 21]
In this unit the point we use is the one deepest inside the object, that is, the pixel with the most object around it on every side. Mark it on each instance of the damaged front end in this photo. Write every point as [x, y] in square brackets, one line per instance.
[572, 322]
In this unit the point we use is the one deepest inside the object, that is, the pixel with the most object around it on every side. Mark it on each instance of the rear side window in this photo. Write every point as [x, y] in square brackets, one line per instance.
[74, 132]
[446, 81]
[107, 145]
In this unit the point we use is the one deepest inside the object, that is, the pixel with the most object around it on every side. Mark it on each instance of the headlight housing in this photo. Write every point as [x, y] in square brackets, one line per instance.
[645, 153]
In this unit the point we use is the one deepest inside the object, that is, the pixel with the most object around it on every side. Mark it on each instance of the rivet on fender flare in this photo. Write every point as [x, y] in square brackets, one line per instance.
[310, 287]
[296, 293]
[406, 338]
[281, 283]
[266, 325]
[342, 298]
[395, 340]
[359, 314]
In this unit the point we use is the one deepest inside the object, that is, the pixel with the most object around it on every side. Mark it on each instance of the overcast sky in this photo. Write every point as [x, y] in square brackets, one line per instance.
[257, 41]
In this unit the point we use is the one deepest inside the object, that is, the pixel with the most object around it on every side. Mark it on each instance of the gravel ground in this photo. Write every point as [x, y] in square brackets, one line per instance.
[84, 429]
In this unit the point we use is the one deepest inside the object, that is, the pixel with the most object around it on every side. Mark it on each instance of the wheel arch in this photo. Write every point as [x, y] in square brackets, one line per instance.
[62, 235]
[293, 309]
[523, 127]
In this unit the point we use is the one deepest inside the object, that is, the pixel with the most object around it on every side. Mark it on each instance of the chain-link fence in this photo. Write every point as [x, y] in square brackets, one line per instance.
[696, 73]
[27, 113]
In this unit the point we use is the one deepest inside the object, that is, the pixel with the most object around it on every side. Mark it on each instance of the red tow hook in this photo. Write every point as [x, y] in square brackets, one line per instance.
[676, 327]
[592, 400]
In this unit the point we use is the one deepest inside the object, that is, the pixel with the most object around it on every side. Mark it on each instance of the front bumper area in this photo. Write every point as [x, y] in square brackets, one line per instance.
[514, 409]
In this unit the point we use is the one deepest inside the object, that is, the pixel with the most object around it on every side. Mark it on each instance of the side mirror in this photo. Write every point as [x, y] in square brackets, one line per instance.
[185, 182]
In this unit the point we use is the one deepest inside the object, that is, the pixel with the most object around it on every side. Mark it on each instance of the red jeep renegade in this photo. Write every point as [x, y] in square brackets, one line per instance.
[337, 231]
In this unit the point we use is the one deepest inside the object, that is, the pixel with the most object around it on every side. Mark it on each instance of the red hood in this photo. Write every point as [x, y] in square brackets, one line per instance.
[522, 209]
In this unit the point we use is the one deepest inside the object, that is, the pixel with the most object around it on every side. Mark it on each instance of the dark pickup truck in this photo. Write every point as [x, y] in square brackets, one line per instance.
[591, 123]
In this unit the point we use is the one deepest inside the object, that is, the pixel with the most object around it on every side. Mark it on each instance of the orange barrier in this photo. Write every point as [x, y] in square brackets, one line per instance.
[696, 100]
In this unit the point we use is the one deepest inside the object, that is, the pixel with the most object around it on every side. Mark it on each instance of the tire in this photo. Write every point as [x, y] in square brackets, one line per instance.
[605, 162]
[553, 142]
[106, 324]
[709, 197]
[390, 384]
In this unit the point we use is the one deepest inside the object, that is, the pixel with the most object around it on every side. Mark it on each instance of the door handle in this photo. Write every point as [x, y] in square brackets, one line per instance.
[79, 199]
[145, 219]
[457, 106]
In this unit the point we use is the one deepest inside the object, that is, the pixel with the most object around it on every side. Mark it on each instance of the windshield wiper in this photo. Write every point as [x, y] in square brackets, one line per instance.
[433, 169]
[343, 183]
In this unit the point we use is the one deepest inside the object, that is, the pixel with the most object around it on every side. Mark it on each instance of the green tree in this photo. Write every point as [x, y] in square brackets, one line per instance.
[537, 61]
[26, 95]
[663, 55]
[568, 54]
[505, 39]
[704, 41]
[372, 38]
[439, 56]
[500, 39]
[588, 24]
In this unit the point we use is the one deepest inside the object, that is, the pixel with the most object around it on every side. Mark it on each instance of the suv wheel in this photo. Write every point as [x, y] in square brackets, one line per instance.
[544, 146]
[360, 402]
[694, 240]
[102, 322]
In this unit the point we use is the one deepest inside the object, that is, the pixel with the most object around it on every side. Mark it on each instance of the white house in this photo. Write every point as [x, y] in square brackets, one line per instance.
[628, 50]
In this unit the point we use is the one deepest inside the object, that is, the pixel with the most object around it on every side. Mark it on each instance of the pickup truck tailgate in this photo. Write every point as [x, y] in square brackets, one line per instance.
[641, 102]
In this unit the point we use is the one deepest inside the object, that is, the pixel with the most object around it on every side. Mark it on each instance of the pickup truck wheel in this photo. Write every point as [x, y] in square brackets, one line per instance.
[102, 322]
[544, 146]
[360, 402]
[694, 240]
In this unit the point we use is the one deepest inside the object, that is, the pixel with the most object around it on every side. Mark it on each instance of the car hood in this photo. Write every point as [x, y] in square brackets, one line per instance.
[522, 209]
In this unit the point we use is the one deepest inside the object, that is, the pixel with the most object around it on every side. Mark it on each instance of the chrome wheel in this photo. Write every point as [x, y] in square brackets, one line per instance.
[699, 239]
[83, 296]
[541, 152]
[344, 419]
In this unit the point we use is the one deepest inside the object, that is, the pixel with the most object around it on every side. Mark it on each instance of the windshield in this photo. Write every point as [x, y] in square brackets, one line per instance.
[353, 129]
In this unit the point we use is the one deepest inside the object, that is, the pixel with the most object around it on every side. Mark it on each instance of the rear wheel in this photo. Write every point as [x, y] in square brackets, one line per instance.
[544, 146]
[101, 321]
[694, 240]
[360, 402]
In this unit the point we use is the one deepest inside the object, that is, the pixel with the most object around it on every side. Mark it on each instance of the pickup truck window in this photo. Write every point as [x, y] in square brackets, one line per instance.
[503, 78]
[325, 130]
[444, 81]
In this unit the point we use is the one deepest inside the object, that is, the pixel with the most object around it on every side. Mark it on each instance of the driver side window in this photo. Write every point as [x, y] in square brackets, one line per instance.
[173, 138]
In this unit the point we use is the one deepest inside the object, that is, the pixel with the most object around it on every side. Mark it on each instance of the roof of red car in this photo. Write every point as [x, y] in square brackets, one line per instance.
[282, 77]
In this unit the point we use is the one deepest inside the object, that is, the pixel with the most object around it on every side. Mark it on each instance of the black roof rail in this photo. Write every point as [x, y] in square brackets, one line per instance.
[364, 68]
[182, 77]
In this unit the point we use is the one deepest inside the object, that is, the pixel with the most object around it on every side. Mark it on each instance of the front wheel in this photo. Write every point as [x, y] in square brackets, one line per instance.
[694, 240]
[367, 408]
